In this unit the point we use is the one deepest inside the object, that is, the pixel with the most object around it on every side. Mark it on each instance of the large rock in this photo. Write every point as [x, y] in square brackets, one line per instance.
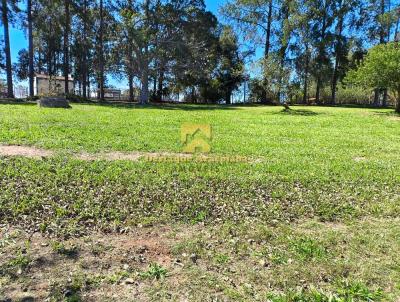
[54, 102]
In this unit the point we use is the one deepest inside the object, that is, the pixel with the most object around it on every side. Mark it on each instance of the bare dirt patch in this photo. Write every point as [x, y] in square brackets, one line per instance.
[228, 262]
[93, 268]
[25, 151]
[33, 152]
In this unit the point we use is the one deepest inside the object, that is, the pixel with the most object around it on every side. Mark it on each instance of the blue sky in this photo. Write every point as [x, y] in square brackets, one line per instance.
[212, 5]
[18, 40]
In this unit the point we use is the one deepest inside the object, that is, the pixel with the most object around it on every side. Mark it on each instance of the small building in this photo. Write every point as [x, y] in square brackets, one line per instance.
[45, 84]
[114, 94]
[109, 94]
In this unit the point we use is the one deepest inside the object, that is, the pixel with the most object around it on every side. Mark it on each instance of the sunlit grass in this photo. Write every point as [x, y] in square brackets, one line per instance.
[313, 217]
[331, 163]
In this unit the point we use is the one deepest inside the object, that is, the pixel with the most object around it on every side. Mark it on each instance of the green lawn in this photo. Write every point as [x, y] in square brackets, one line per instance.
[317, 204]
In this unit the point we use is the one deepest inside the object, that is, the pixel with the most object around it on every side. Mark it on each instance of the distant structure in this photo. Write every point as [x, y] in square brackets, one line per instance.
[45, 84]
[114, 94]
[109, 94]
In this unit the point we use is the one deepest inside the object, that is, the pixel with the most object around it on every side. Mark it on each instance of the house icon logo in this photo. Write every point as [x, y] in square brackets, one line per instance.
[196, 138]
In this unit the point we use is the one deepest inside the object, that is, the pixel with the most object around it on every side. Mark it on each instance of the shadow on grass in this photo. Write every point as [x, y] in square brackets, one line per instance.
[22, 103]
[365, 106]
[387, 113]
[127, 105]
[166, 106]
[298, 112]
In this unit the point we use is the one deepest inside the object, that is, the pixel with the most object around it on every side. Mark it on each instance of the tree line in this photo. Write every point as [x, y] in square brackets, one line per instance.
[310, 45]
[292, 50]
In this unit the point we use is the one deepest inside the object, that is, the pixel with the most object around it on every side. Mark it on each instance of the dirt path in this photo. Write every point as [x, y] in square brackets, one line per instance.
[24, 151]
[37, 153]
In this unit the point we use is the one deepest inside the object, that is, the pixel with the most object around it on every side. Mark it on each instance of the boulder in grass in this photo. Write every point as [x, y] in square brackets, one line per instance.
[54, 102]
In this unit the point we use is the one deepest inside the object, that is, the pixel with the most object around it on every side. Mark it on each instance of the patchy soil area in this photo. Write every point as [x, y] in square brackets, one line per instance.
[311, 261]
[98, 267]
[37, 153]
[25, 151]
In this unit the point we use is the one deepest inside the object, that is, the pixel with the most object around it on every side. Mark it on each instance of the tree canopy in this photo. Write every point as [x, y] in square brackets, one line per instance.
[380, 69]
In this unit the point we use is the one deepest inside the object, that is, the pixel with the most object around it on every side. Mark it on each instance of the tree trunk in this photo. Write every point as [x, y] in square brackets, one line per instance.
[88, 86]
[318, 91]
[130, 59]
[193, 98]
[85, 56]
[385, 97]
[306, 71]
[305, 88]
[130, 72]
[334, 83]
[30, 39]
[382, 40]
[319, 57]
[66, 47]
[266, 52]
[398, 102]
[49, 62]
[282, 51]
[131, 92]
[244, 91]
[10, 89]
[101, 54]
[160, 85]
[376, 97]
[228, 97]
[338, 47]
[144, 92]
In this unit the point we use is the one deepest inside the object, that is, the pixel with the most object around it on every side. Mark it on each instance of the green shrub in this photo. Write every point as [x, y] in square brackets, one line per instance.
[155, 271]
[349, 95]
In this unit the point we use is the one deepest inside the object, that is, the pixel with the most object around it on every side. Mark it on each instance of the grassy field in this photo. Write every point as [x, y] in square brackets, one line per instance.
[311, 215]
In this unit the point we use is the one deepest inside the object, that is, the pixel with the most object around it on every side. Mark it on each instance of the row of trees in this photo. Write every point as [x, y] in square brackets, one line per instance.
[164, 46]
[312, 43]
[177, 47]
